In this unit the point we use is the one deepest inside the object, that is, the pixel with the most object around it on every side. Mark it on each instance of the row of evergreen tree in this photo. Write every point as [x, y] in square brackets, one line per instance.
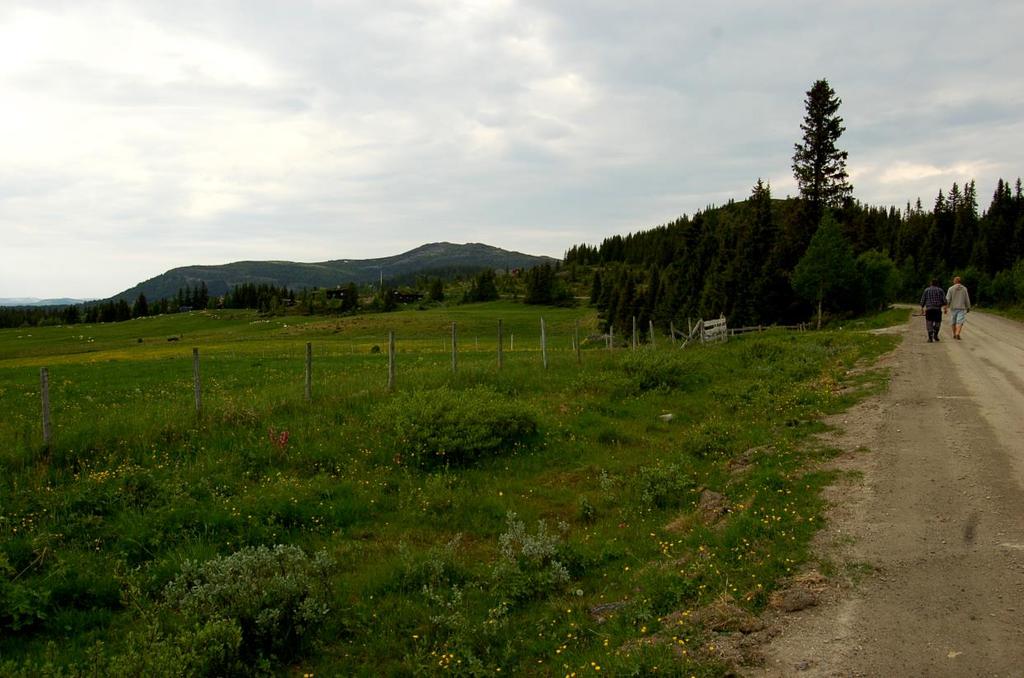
[739, 260]
[764, 261]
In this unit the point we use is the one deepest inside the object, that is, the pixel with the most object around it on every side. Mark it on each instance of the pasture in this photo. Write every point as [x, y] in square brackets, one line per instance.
[478, 521]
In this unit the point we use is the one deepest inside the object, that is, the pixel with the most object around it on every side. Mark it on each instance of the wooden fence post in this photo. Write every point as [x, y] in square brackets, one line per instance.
[576, 341]
[454, 348]
[391, 360]
[309, 371]
[501, 355]
[543, 344]
[672, 332]
[196, 384]
[651, 325]
[44, 392]
[611, 338]
[634, 333]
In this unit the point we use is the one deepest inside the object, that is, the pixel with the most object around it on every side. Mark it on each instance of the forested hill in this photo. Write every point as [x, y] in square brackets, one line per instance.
[741, 259]
[293, 275]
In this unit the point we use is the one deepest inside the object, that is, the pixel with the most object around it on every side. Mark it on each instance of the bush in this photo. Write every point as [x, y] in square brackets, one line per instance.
[443, 426]
[664, 486]
[277, 597]
[710, 438]
[21, 605]
[528, 567]
[207, 649]
[880, 280]
[651, 370]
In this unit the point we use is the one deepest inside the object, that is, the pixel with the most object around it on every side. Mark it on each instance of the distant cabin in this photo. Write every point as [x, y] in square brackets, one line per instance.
[406, 297]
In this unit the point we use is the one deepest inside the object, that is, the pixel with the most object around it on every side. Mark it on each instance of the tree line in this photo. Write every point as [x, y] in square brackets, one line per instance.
[539, 285]
[764, 260]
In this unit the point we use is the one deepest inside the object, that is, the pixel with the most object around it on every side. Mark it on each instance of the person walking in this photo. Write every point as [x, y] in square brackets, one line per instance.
[958, 304]
[932, 302]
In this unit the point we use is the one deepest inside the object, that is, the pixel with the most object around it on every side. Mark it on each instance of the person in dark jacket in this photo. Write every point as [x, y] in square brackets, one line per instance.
[932, 301]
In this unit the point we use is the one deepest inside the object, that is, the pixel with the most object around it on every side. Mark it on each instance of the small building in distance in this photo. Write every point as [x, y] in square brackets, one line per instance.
[406, 297]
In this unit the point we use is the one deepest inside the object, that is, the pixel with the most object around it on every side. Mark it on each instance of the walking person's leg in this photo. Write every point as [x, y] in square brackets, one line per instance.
[933, 321]
[959, 317]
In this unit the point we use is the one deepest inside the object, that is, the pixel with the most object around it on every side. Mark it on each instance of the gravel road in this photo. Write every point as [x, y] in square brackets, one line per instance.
[927, 532]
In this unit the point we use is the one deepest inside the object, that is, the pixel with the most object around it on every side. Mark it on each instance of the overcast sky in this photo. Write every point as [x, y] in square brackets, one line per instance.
[137, 136]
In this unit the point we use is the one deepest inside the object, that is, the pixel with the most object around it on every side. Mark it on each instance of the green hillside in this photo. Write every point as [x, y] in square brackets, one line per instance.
[295, 275]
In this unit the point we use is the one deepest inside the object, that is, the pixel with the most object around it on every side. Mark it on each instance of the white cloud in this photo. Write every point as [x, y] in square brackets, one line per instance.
[144, 135]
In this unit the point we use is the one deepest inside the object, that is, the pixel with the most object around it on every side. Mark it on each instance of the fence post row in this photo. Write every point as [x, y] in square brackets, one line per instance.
[543, 344]
[501, 356]
[454, 349]
[44, 391]
[391, 360]
[196, 384]
[576, 341]
[309, 371]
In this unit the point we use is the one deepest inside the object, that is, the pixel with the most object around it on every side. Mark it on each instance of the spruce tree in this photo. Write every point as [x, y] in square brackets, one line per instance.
[140, 308]
[818, 165]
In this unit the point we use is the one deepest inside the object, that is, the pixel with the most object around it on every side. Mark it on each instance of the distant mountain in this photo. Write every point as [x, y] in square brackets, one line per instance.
[442, 255]
[33, 301]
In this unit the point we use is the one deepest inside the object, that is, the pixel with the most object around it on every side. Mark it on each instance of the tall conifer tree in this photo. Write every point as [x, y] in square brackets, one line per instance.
[818, 164]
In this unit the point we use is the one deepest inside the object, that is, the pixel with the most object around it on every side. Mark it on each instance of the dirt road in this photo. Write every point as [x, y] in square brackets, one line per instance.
[928, 531]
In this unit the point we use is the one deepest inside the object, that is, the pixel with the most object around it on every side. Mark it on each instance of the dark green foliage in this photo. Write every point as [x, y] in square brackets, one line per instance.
[455, 427]
[140, 308]
[276, 596]
[879, 279]
[827, 268]
[663, 486]
[435, 290]
[651, 370]
[261, 297]
[818, 165]
[482, 288]
[544, 287]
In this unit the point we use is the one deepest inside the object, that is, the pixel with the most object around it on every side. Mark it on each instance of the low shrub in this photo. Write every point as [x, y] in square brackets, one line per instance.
[660, 370]
[711, 438]
[528, 567]
[454, 427]
[277, 597]
[663, 486]
[20, 606]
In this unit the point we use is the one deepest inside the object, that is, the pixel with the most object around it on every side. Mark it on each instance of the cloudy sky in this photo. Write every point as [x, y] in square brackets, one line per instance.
[140, 135]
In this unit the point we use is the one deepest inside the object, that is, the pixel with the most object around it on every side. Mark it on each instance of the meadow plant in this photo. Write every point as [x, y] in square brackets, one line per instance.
[528, 566]
[277, 596]
[651, 370]
[444, 426]
[663, 485]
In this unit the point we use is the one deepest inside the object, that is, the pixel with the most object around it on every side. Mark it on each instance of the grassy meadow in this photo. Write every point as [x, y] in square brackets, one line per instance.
[567, 521]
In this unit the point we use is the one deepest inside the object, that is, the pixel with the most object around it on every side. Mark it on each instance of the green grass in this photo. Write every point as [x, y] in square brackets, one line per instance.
[430, 572]
[1011, 312]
